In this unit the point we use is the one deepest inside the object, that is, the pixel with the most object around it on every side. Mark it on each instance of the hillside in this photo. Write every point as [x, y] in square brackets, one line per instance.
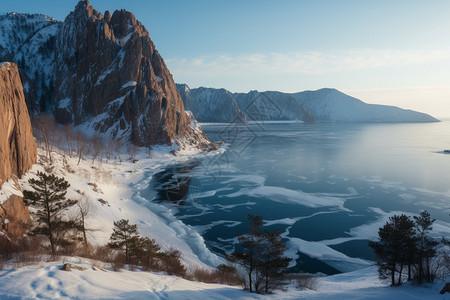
[324, 105]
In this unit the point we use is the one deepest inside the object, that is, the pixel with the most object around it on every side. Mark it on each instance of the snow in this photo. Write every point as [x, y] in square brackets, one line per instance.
[124, 40]
[47, 281]
[159, 79]
[128, 84]
[123, 185]
[64, 103]
[102, 76]
[9, 188]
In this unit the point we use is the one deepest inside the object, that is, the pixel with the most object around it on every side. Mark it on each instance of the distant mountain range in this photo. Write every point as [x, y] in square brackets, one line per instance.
[324, 105]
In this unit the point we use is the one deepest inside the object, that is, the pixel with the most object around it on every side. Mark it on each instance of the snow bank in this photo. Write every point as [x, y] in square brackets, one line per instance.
[47, 281]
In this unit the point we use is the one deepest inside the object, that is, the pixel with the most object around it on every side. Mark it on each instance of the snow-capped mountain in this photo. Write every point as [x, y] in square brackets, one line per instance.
[28, 40]
[101, 72]
[331, 105]
[211, 105]
[324, 105]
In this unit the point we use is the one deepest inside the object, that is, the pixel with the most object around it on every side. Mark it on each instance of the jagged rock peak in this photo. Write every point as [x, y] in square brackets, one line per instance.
[109, 76]
[85, 6]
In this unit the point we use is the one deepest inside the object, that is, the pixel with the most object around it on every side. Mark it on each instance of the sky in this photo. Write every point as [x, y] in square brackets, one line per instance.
[384, 51]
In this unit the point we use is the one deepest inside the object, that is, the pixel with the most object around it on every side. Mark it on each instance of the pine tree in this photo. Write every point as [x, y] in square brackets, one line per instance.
[148, 251]
[124, 237]
[248, 256]
[426, 247]
[396, 242]
[273, 264]
[49, 198]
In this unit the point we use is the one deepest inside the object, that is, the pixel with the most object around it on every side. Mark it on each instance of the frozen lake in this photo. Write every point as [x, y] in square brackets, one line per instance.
[327, 187]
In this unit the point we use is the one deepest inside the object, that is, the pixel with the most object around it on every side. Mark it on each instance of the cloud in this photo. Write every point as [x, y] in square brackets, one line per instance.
[306, 63]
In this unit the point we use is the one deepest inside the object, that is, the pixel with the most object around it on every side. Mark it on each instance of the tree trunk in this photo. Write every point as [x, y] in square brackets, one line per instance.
[250, 285]
[399, 281]
[393, 275]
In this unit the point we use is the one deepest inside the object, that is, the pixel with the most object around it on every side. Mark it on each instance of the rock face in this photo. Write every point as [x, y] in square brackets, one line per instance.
[17, 147]
[103, 72]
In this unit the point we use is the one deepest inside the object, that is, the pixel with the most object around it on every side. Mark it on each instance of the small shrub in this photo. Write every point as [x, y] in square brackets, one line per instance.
[229, 275]
[304, 280]
[203, 275]
[171, 263]
[118, 262]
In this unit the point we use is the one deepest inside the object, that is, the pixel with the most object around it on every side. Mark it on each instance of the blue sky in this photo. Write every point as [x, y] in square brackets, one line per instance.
[387, 52]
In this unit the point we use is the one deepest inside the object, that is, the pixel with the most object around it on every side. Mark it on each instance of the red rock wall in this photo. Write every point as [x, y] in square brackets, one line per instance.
[17, 146]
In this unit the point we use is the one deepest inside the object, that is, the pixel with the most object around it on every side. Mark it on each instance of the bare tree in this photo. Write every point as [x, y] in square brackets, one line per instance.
[97, 145]
[44, 126]
[85, 210]
[68, 133]
[83, 146]
[132, 151]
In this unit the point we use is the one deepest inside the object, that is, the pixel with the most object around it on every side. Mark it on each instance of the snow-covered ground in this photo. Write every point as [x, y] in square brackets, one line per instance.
[47, 281]
[114, 187]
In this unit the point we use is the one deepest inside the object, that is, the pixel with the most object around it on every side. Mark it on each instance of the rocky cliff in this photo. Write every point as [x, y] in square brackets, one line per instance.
[17, 147]
[104, 72]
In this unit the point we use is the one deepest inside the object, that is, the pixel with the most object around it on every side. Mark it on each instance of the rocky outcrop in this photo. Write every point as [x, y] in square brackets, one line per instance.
[17, 148]
[102, 72]
[14, 216]
[110, 76]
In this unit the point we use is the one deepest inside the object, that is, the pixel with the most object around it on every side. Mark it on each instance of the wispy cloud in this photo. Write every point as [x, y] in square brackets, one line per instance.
[302, 62]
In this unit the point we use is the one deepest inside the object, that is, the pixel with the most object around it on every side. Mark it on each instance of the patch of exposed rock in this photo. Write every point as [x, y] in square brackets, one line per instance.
[14, 216]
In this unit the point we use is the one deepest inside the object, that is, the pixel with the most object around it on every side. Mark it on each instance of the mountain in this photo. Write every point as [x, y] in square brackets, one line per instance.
[331, 105]
[324, 105]
[29, 40]
[211, 105]
[101, 72]
[17, 149]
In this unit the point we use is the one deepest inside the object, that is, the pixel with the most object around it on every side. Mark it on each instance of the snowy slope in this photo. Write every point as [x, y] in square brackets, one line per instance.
[28, 40]
[47, 281]
[330, 105]
[116, 196]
